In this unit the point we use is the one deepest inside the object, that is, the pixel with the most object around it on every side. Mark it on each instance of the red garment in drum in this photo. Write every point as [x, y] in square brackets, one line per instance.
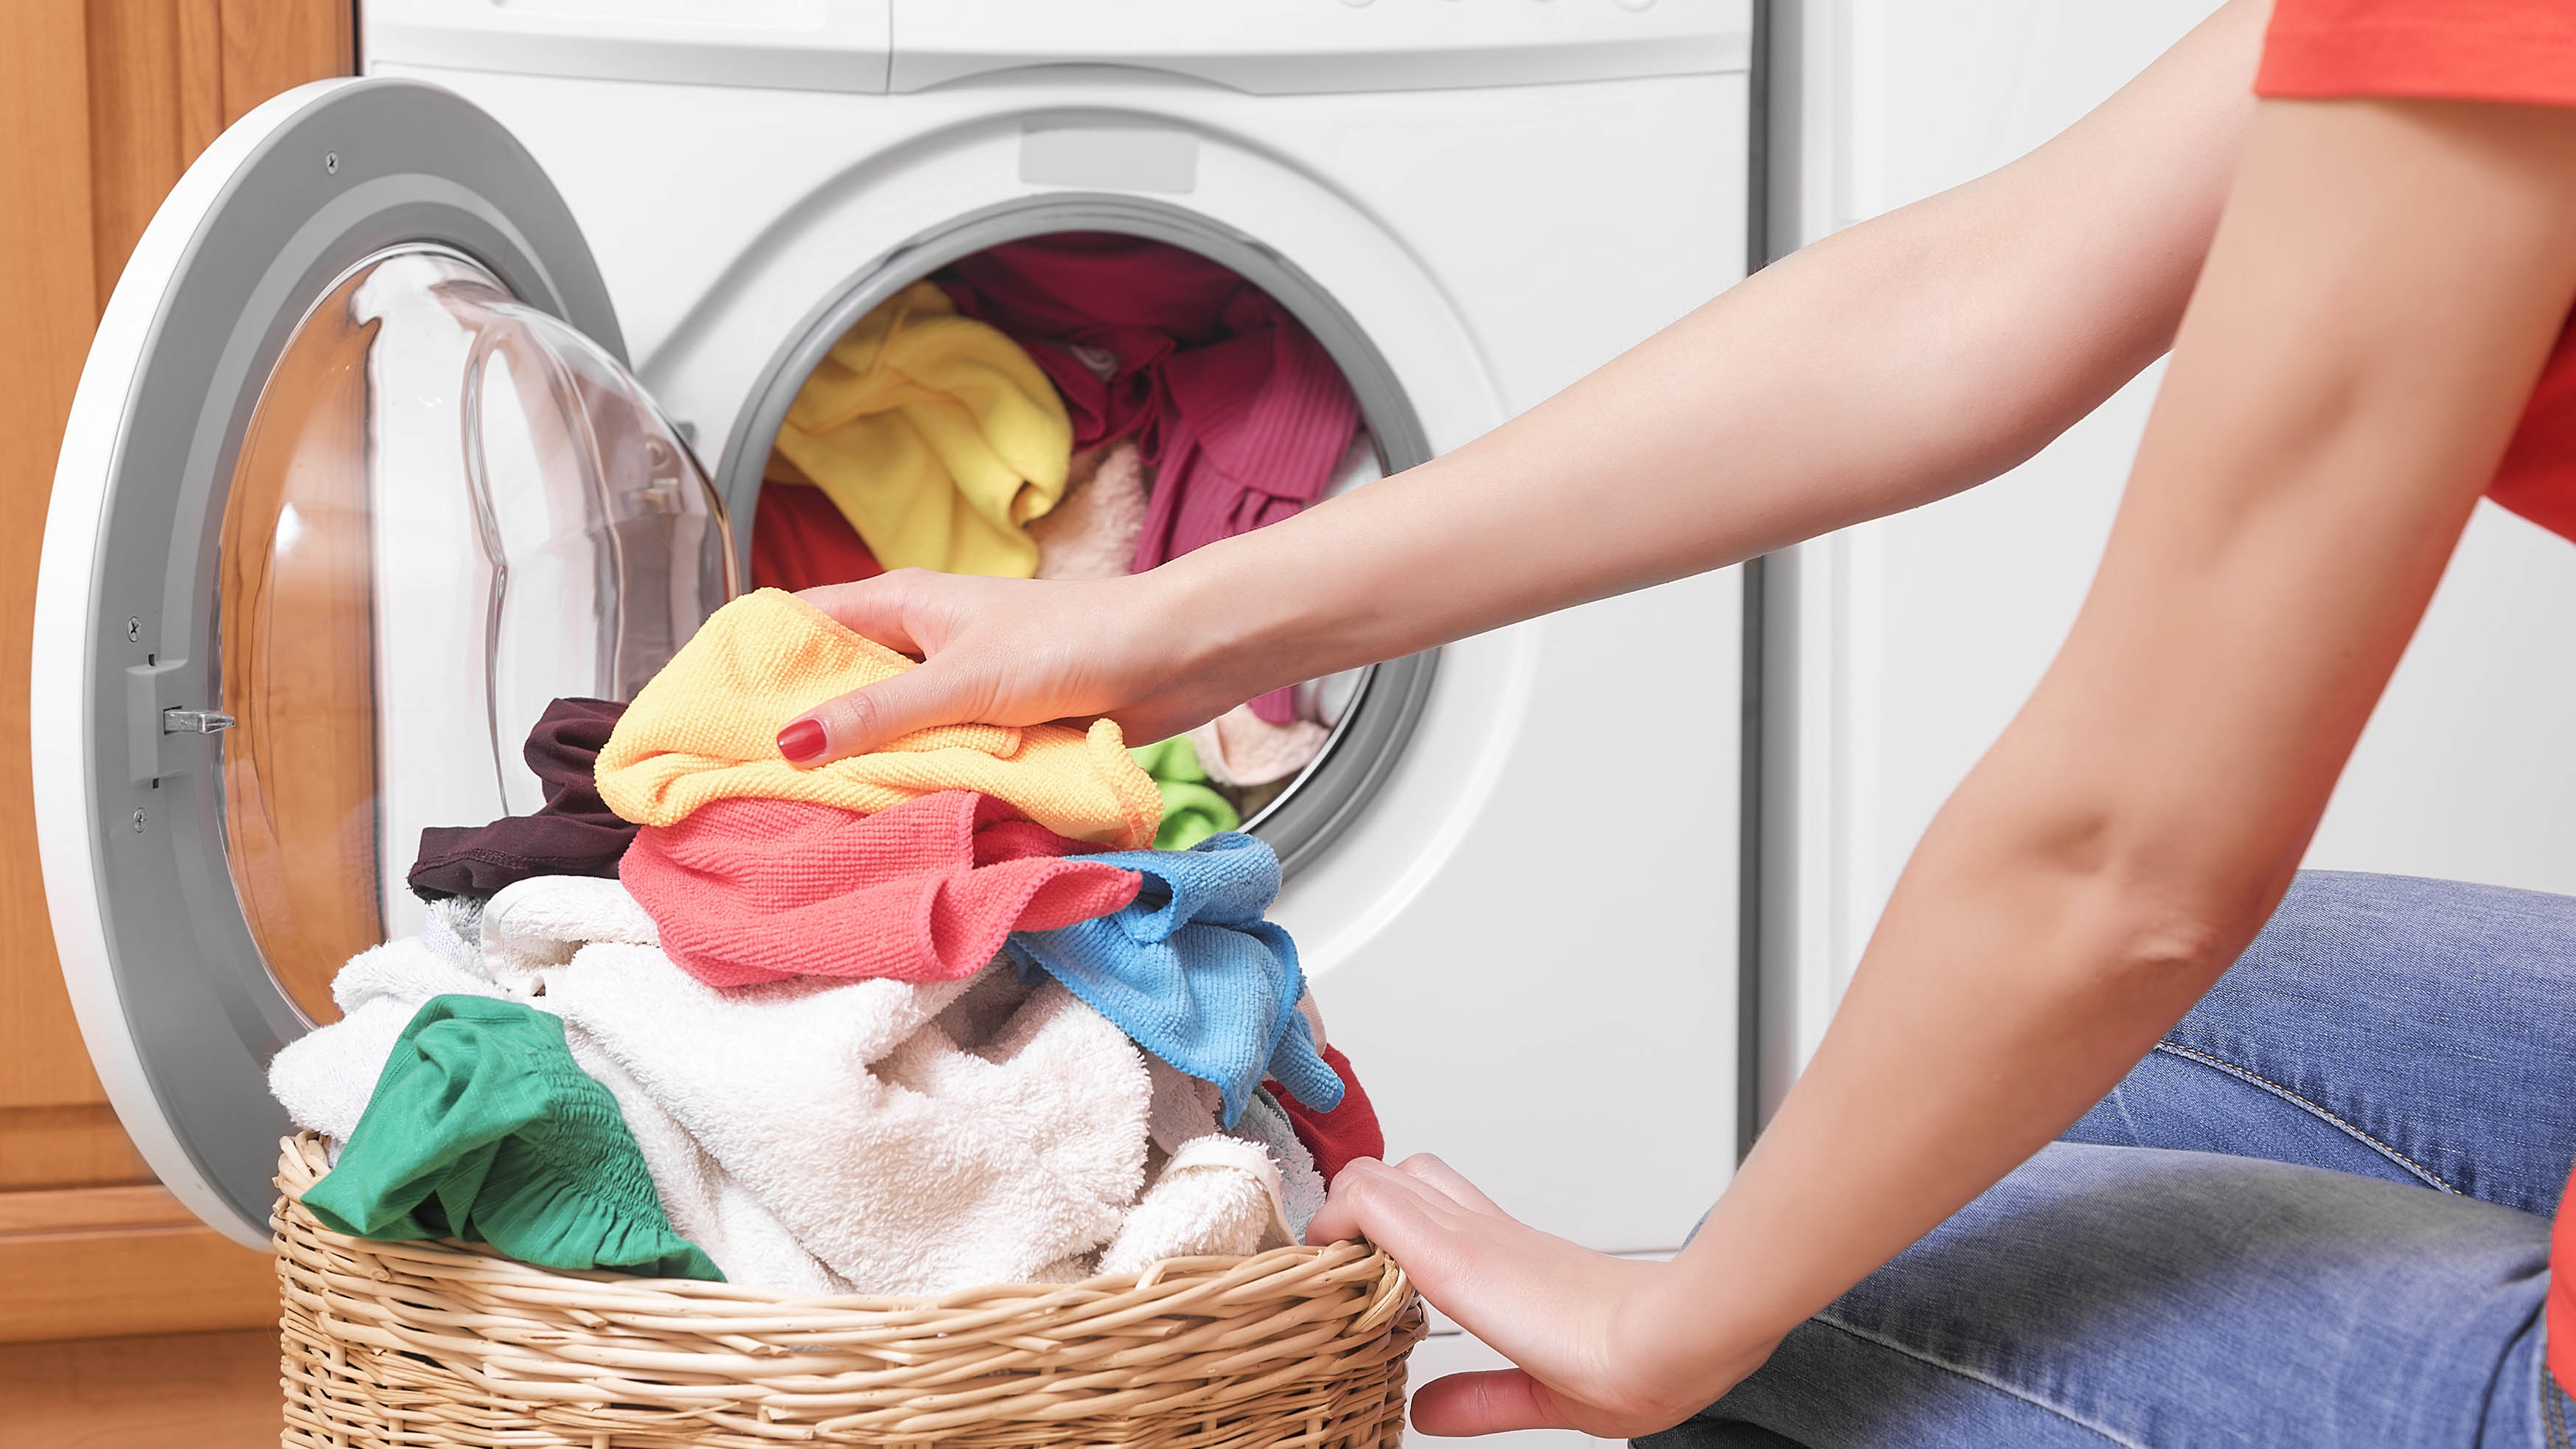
[799, 540]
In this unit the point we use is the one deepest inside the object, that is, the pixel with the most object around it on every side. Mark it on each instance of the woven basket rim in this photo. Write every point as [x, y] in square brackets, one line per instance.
[448, 1344]
[303, 1160]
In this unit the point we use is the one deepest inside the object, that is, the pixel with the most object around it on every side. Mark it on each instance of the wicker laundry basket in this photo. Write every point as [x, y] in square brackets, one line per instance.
[435, 1344]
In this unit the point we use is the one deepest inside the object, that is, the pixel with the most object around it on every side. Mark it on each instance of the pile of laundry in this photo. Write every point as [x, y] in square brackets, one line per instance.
[912, 1021]
[1073, 406]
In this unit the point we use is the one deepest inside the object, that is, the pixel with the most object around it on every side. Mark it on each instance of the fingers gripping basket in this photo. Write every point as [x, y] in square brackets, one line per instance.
[431, 1344]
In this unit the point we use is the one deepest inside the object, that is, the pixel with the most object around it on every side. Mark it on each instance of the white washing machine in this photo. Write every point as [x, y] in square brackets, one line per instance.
[360, 473]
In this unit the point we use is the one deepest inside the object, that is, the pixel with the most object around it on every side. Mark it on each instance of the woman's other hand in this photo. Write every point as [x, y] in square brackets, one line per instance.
[1590, 1332]
[1016, 652]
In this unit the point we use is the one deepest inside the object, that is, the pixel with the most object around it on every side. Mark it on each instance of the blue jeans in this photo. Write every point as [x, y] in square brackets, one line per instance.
[2317, 1214]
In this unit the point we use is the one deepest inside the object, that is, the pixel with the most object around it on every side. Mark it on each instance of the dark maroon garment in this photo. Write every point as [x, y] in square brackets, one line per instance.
[573, 833]
[1239, 410]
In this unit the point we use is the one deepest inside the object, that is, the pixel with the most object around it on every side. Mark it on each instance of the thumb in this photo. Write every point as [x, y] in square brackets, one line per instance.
[927, 694]
[1491, 1401]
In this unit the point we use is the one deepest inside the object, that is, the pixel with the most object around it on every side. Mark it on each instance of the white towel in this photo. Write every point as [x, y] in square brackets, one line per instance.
[702, 1200]
[1217, 1195]
[453, 932]
[902, 1159]
[776, 1120]
[531, 932]
[533, 926]
[1183, 1107]
[1213, 1192]
[1301, 1186]
[325, 1077]
[821, 1137]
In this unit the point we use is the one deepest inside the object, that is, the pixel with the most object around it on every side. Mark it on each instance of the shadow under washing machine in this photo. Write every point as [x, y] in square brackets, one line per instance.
[359, 462]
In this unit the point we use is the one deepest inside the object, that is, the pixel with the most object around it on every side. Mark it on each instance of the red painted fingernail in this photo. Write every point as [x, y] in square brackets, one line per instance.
[802, 740]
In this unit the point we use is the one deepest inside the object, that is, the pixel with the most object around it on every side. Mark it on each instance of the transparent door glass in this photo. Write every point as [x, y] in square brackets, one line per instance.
[450, 508]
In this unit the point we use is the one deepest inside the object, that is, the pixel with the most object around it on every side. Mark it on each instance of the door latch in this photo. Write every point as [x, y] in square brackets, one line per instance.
[195, 722]
[153, 716]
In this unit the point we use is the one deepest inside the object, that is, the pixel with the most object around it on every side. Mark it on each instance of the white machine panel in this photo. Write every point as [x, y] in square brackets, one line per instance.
[1275, 46]
[1265, 46]
[824, 45]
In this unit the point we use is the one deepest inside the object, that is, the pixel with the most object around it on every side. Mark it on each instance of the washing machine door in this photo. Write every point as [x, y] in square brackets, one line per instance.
[356, 481]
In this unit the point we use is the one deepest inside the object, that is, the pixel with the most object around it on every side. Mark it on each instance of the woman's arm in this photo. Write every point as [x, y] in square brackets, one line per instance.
[1899, 361]
[2386, 284]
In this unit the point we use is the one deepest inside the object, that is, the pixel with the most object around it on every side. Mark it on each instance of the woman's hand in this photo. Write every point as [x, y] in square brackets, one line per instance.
[1592, 1333]
[1015, 652]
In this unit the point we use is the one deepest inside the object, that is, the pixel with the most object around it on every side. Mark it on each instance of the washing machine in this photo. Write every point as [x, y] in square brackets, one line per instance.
[436, 393]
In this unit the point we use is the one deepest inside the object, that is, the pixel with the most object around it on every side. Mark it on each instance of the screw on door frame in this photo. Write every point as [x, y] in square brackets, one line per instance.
[134, 631]
[331, 163]
[138, 822]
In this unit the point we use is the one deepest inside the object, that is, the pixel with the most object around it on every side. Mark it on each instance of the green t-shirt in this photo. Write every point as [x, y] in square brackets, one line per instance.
[483, 1128]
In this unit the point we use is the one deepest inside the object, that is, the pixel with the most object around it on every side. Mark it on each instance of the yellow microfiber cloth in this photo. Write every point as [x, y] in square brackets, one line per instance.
[935, 435]
[706, 728]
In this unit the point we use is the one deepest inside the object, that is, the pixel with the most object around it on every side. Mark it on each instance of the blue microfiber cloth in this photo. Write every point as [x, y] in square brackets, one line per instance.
[1192, 972]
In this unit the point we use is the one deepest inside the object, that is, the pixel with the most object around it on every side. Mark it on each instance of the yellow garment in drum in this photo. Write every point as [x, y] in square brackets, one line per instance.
[935, 435]
[706, 728]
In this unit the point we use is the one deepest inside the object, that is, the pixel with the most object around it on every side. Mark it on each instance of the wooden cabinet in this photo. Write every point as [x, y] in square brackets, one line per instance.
[172, 1391]
[102, 106]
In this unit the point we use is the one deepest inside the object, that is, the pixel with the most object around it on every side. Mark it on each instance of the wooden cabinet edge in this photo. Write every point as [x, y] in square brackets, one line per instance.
[91, 1209]
[129, 1268]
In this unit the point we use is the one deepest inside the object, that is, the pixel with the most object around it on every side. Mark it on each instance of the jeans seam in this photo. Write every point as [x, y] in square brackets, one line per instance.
[1975, 1377]
[2553, 1408]
[2252, 1078]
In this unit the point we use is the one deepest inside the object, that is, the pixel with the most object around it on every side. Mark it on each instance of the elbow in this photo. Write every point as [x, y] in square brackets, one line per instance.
[2164, 932]
[2141, 913]
[2152, 944]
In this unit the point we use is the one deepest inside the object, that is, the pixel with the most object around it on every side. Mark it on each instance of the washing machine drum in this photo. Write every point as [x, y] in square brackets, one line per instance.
[355, 483]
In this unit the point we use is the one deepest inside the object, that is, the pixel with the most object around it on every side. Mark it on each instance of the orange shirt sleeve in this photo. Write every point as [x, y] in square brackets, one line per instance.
[2498, 51]
[2514, 51]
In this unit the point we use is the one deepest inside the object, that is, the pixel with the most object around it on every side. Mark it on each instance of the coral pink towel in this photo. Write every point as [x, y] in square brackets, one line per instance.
[749, 890]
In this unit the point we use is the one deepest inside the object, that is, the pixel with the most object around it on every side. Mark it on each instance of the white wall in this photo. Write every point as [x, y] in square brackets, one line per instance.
[1901, 648]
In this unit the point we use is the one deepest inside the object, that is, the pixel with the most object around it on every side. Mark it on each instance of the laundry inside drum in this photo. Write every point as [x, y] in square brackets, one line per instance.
[1078, 405]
